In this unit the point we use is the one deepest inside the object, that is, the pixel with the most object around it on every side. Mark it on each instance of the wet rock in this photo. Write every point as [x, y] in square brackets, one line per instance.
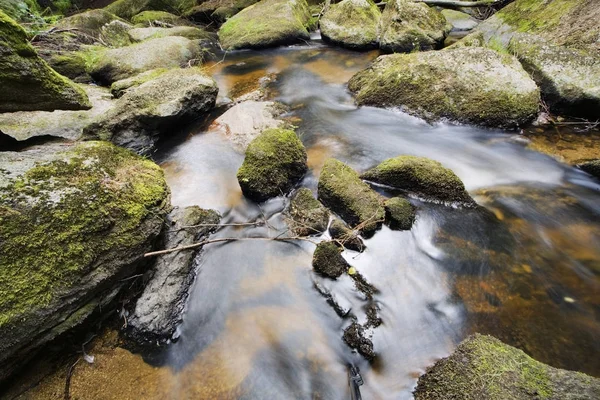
[482, 367]
[346, 236]
[328, 260]
[155, 107]
[355, 337]
[459, 20]
[188, 32]
[159, 309]
[421, 176]
[217, 10]
[275, 162]
[468, 84]
[569, 80]
[80, 217]
[591, 167]
[28, 83]
[352, 23]
[159, 18]
[406, 26]
[267, 23]
[307, 214]
[341, 190]
[399, 213]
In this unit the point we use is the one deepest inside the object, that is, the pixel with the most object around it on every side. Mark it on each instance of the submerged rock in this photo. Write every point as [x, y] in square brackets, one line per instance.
[75, 220]
[308, 216]
[466, 84]
[341, 189]
[28, 83]
[421, 176]
[345, 236]
[352, 23]
[482, 367]
[267, 23]
[328, 260]
[159, 309]
[399, 213]
[355, 336]
[591, 167]
[152, 32]
[275, 162]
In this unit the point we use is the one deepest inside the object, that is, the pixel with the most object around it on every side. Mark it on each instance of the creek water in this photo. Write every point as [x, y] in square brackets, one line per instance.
[524, 268]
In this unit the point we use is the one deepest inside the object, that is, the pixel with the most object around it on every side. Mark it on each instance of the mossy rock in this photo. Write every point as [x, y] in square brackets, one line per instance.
[267, 23]
[27, 82]
[406, 26]
[399, 213]
[20, 10]
[308, 216]
[159, 18]
[188, 32]
[460, 21]
[217, 10]
[119, 88]
[466, 84]
[421, 176]
[591, 167]
[345, 236]
[342, 191]
[89, 22]
[275, 162]
[71, 64]
[328, 260]
[129, 8]
[352, 23]
[74, 221]
[482, 367]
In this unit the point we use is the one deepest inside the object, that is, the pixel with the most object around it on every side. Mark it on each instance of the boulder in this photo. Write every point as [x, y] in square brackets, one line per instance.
[167, 52]
[460, 21]
[89, 22]
[328, 260]
[342, 191]
[159, 18]
[345, 236]
[129, 8]
[591, 167]
[119, 88]
[27, 82]
[189, 32]
[421, 176]
[406, 26]
[173, 99]
[72, 64]
[275, 162]
[75, 221]
[352, 23]
[399, 213]
[267, 23]
[464, 84]
[89, 27]
[158, 311]
[307, 214]
[217, 10]
[482, 367]
[569, 79]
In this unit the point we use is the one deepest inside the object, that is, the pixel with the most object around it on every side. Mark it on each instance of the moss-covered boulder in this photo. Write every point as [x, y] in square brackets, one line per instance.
[119, 88]
[155, 107]
[399, 213]
[75, 220]
[460, 21]
[217, 11]
[591, 167]
[267, 23]
[346, 237]
[159, 18]
[406, 26]
[189, 32]
[569, 79]
[125, 62]
[27, 82]
[129, 8]
[421, 176]
[89, 22]
[328, 260]
[467, 84]
[307, 214]
[352, 23]
[342, 190]
[482, 367]
[275, 162]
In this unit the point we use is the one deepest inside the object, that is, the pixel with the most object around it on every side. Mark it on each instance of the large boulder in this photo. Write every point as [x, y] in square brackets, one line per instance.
[307, 214]
[342, 190]
[167, 52]
[153, 32]
[407, 25]
[467, 84]
[159, 18]
[27, 82]
[75, 221]
[217, 10]
[89, 22]
[460, 21]
[482, 367]
[129, 8]
[421, 176]
[352, 23]
[267, 23]
[157, 106]
[275, 162]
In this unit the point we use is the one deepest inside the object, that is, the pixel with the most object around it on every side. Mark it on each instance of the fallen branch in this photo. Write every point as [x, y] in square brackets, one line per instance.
[259, 223]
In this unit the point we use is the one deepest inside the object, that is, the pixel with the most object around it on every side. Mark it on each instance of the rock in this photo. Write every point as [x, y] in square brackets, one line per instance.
[159, 309]
[591, 167]
[341, 190]
[28, 83]
[459, 20]
[25, 125]
[406, 26]
[352, 23]
[173, 99]
[275, 162]
[346, 236]
[217, 10]
[89, 22]
[569, 79]
[308, 216]
[89, 27]
[80, 218]
[465, 84]
[167, 52]
[267, 23]
[189, 32]
[129, 8]
[328, 260]
[482, 367]
[399, 213]
[159, 18]
[356, 337]
[119, 88]
[421, 176]
[72, 64]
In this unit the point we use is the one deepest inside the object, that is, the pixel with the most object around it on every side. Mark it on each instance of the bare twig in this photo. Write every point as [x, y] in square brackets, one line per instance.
[68, 380]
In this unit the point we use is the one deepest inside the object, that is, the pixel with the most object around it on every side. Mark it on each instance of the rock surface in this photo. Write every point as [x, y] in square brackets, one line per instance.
[591, 167]
[275, 162]
[482, 367]
[345, 236]
[352, 23]
[399, 213]
[328, 260]
[308, 216]
[460, 21]
[188, 32]
[119, 88]
[468, 84]
[217, 10]
[129, 8]
[159, 309]
[159, 18]
[79, 217]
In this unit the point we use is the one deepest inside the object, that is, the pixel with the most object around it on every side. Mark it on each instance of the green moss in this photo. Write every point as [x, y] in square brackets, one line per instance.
[352, 23]
[399, 213]
[118, 88]
[149, 18]
[497, 45]
[328, 260]
[534, 16]
[308, 216]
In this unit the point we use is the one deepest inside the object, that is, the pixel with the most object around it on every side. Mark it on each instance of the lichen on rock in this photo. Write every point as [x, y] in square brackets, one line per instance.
[352, 23]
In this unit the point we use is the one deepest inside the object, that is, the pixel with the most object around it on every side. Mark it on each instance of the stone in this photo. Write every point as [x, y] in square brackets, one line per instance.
[460, 21]
[591, 167]
[355, 336]
[352, 23]
[217, 10]
[307, 215]
[345, 236]
[188, 32]
[119, 88]
[159, 18]
[328, 260]
[399, 213]
[129, 8]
